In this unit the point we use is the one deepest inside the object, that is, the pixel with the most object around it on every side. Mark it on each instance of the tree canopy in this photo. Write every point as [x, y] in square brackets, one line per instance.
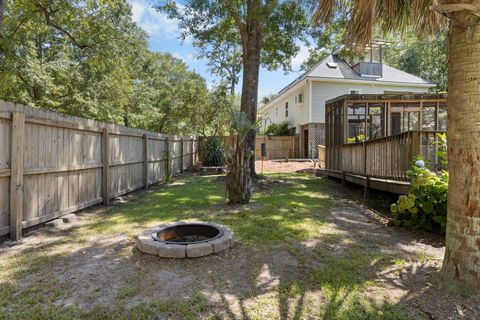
[88, 58]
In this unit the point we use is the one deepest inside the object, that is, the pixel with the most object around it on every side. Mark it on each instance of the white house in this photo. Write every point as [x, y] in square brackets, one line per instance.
[302, 102]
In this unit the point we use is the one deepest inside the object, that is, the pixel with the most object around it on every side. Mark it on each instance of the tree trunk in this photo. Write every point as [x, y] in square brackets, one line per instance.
[251, 69]
[238, 184]
[462, 255]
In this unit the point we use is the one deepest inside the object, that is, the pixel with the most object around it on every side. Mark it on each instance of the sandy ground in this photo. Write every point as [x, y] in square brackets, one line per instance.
[284, 167]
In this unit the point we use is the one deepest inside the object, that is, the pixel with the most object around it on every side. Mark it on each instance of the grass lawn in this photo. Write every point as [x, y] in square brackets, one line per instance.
[303, 251]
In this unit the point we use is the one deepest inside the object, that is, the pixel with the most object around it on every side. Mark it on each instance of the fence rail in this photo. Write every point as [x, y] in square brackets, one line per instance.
[389, 157]
[52, 164]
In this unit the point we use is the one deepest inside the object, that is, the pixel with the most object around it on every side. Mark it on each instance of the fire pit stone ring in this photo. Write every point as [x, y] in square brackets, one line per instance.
[185, 239]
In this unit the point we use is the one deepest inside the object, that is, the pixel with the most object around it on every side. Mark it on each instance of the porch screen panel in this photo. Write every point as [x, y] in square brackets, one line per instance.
[405, 116]
[442, 116]
[375, 121]
[356, 122]
[429, 116]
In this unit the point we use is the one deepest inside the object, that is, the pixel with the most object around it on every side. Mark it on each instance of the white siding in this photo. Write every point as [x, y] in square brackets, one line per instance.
[323, 91]
[297, 113]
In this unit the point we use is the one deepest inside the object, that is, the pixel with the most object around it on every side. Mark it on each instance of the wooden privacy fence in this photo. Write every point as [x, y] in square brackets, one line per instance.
[278, 147]
[52, 164]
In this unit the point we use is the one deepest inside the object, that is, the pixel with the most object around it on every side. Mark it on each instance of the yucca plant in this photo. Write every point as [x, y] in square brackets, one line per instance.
[214, 153]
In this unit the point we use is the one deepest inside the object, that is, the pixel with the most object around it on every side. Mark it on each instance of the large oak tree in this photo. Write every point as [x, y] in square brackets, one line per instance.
[268, 32]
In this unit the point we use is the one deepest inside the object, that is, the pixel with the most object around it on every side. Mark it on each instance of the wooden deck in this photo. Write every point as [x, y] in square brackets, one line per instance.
[372, 140]
[382, 163]
[387, 185]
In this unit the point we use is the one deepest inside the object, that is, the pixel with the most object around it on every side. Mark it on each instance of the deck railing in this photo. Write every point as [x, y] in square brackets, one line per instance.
[389, 157]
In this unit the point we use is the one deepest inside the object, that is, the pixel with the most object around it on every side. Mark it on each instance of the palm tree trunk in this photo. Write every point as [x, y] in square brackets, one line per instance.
[462, 255]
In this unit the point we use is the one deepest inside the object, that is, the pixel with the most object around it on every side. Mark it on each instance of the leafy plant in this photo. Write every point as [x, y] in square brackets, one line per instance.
[442, 149]
[214, 152]
[359, 138]
[278, 129]
[426, 205]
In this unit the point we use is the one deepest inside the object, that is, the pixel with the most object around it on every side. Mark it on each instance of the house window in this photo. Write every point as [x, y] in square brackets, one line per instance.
[299, 98]
[286, 109]
[354, 91]
[276, 111]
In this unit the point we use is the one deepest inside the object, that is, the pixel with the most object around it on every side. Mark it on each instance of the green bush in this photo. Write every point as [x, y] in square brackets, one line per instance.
[278, 129]
[214, 153]
[426, 205]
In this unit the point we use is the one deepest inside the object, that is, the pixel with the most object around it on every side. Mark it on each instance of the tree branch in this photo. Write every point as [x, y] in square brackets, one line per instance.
[48, 13]
[3, 5]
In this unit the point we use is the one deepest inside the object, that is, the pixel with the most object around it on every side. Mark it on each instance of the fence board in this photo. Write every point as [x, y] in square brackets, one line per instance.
[68, 165]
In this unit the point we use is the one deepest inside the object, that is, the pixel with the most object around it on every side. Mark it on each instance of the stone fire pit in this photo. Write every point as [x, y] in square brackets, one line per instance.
[185, 239]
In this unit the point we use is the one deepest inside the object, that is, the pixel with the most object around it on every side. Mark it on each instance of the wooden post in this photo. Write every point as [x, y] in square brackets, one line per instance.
[181, 154]
[293, 147]
[145, 161]
[106, 166]
[365, 158]
[167, 159]
[366, 189]
[191, 153]
[16, 178]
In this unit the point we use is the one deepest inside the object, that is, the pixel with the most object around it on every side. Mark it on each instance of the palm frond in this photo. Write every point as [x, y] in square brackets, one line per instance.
[388, 15]
[362, 21]
[425, 20]
[324, 12]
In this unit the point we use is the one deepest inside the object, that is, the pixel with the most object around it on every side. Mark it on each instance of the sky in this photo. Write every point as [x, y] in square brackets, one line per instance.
[164, 37]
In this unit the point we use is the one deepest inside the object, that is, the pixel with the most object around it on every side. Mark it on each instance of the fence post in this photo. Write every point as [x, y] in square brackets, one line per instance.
[181, 154]
[367, 179]
[293, 147]
[167, 159]
[145, 161]
[191, 153]
[16, 177]
[106, 166]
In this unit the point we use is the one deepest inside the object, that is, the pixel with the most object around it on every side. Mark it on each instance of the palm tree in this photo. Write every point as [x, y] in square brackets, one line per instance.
[462, 256]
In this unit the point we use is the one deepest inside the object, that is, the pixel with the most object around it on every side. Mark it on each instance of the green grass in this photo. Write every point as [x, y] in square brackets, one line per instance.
[278, 217]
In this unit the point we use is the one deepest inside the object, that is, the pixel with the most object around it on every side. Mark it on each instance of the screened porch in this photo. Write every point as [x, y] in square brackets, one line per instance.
[372, 139]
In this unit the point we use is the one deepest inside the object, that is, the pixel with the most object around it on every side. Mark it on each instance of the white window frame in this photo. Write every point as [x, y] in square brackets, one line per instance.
[300, 94]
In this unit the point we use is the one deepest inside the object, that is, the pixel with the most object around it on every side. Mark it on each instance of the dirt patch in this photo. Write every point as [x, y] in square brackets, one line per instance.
[283, 166]
[263, 183]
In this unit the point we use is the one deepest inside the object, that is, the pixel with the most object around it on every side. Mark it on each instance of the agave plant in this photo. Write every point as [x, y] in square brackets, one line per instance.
[214, 153]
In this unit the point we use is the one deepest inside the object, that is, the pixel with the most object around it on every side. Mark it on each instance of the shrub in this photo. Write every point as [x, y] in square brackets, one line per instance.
[278, 129]
[426, 205]
[214, 153]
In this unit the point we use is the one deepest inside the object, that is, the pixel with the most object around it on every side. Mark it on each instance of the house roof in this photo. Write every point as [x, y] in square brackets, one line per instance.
[344, 71]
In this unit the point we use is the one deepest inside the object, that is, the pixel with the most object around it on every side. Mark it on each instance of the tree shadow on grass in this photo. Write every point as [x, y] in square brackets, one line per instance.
[301, 254]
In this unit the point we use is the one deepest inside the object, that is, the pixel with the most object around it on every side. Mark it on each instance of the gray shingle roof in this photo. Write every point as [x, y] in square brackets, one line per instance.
[345, 71]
